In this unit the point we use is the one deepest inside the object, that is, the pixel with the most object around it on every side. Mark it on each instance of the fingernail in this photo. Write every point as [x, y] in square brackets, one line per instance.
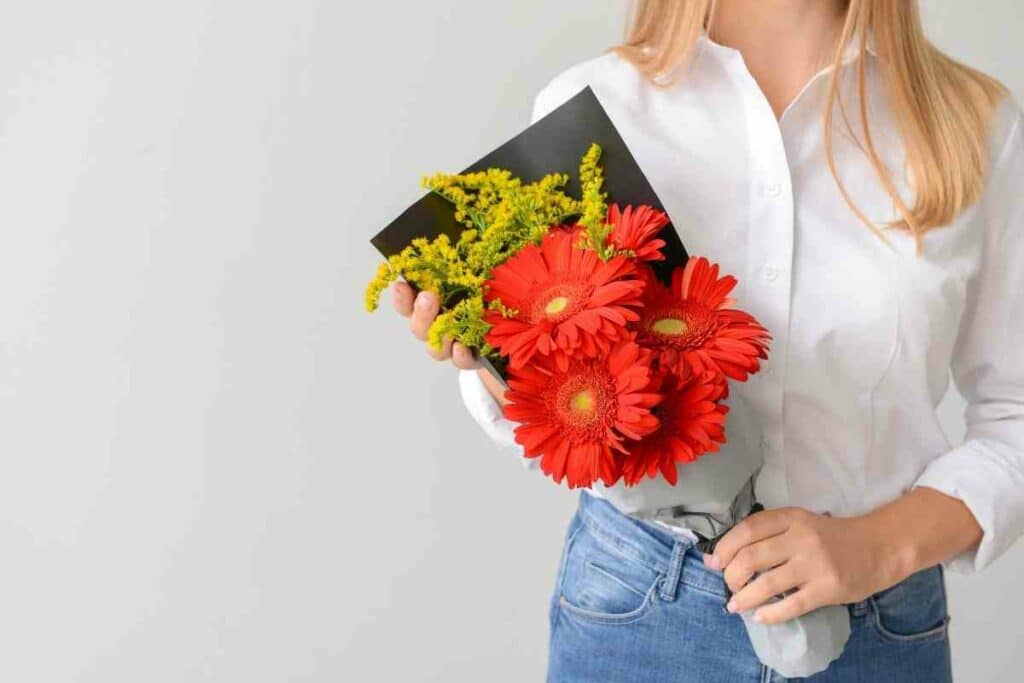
[731, 606]
[424, 300]
[758, 618]
[715, 563]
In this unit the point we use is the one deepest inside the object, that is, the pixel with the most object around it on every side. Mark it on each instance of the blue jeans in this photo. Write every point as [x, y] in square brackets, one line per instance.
[632, 603]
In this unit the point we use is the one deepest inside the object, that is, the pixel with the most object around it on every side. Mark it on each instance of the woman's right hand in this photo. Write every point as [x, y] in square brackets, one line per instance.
[421, 309]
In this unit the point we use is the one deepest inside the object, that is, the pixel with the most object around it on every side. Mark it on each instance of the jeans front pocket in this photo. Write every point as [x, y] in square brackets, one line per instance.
[913, 610]
[601, 585]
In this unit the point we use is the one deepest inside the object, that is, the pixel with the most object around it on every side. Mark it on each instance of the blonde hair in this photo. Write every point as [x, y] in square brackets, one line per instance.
[942, 107]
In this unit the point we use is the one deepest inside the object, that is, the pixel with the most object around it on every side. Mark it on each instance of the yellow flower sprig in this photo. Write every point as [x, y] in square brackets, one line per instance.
[501, 215]
[594, 210]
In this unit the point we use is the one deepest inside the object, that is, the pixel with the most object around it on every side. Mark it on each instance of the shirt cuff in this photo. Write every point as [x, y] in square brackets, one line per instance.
[488, 414]
[989, 485]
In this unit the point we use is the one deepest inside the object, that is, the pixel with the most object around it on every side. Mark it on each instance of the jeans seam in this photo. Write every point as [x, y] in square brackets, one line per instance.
[556, 608]
[593, 566]
[602, 537]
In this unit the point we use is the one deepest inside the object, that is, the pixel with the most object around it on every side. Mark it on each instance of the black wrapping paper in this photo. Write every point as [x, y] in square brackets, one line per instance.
[554, 144]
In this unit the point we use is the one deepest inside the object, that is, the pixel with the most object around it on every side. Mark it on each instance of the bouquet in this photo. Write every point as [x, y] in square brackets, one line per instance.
[612, 373]
[616, 347]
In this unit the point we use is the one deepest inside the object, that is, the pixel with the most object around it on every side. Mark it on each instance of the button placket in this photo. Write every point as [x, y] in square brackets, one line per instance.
[770, 254]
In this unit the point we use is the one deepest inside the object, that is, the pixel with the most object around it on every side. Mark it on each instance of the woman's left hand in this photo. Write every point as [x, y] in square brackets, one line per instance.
[826, 560]
[836, 560]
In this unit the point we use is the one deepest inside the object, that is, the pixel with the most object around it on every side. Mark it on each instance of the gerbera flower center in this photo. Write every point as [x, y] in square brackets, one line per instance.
[684, 324]
[559, 302]
[670, 326]
[556, 305]
[585, 403]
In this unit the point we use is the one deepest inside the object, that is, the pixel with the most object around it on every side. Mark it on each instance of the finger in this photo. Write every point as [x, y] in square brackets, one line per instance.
[754, 528]
[423, 313]
[402, 297]
[463, 357]
[790, 607]
[765, 587]
[444, 353]
[756, 558]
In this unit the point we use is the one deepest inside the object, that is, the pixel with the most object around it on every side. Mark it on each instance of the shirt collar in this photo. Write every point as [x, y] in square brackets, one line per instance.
[851, 52]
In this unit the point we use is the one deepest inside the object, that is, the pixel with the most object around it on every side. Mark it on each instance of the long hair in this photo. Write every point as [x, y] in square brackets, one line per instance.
[942, 107]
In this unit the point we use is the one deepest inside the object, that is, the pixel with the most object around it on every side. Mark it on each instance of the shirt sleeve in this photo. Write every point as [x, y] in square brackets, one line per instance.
[488, 414]
[481, 405]
[986, 472]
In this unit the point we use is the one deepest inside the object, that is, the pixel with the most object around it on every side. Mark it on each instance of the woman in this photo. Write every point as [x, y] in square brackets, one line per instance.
[865, 189]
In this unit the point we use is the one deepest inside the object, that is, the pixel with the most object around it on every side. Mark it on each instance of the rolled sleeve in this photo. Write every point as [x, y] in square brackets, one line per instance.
[986, 472]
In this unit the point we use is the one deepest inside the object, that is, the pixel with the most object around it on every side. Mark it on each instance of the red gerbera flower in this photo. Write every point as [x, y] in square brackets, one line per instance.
[692, 424]
[575, 419]
[691, 325]
[635, 229]
[566, 299]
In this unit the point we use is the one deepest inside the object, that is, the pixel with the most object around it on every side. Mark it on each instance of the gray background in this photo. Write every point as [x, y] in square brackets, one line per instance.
[213, 465]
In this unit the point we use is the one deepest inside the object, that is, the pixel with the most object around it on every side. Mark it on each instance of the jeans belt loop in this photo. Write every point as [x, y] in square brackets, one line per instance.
[859, 609]
[670, 583]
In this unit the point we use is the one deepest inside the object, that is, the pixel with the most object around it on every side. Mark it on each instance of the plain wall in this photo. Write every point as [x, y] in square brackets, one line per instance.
[214, 466]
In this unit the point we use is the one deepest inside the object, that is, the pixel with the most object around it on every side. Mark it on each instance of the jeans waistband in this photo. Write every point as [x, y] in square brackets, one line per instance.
[681, 563]
[656, 548]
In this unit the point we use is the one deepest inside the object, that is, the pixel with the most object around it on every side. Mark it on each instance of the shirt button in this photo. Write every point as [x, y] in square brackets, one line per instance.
[773, 189]
[771, 273]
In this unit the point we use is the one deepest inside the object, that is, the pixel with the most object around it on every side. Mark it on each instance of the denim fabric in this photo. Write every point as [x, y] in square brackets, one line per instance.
[632, 603]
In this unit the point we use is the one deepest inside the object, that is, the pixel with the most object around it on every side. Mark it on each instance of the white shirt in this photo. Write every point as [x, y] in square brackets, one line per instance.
[864, 334]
